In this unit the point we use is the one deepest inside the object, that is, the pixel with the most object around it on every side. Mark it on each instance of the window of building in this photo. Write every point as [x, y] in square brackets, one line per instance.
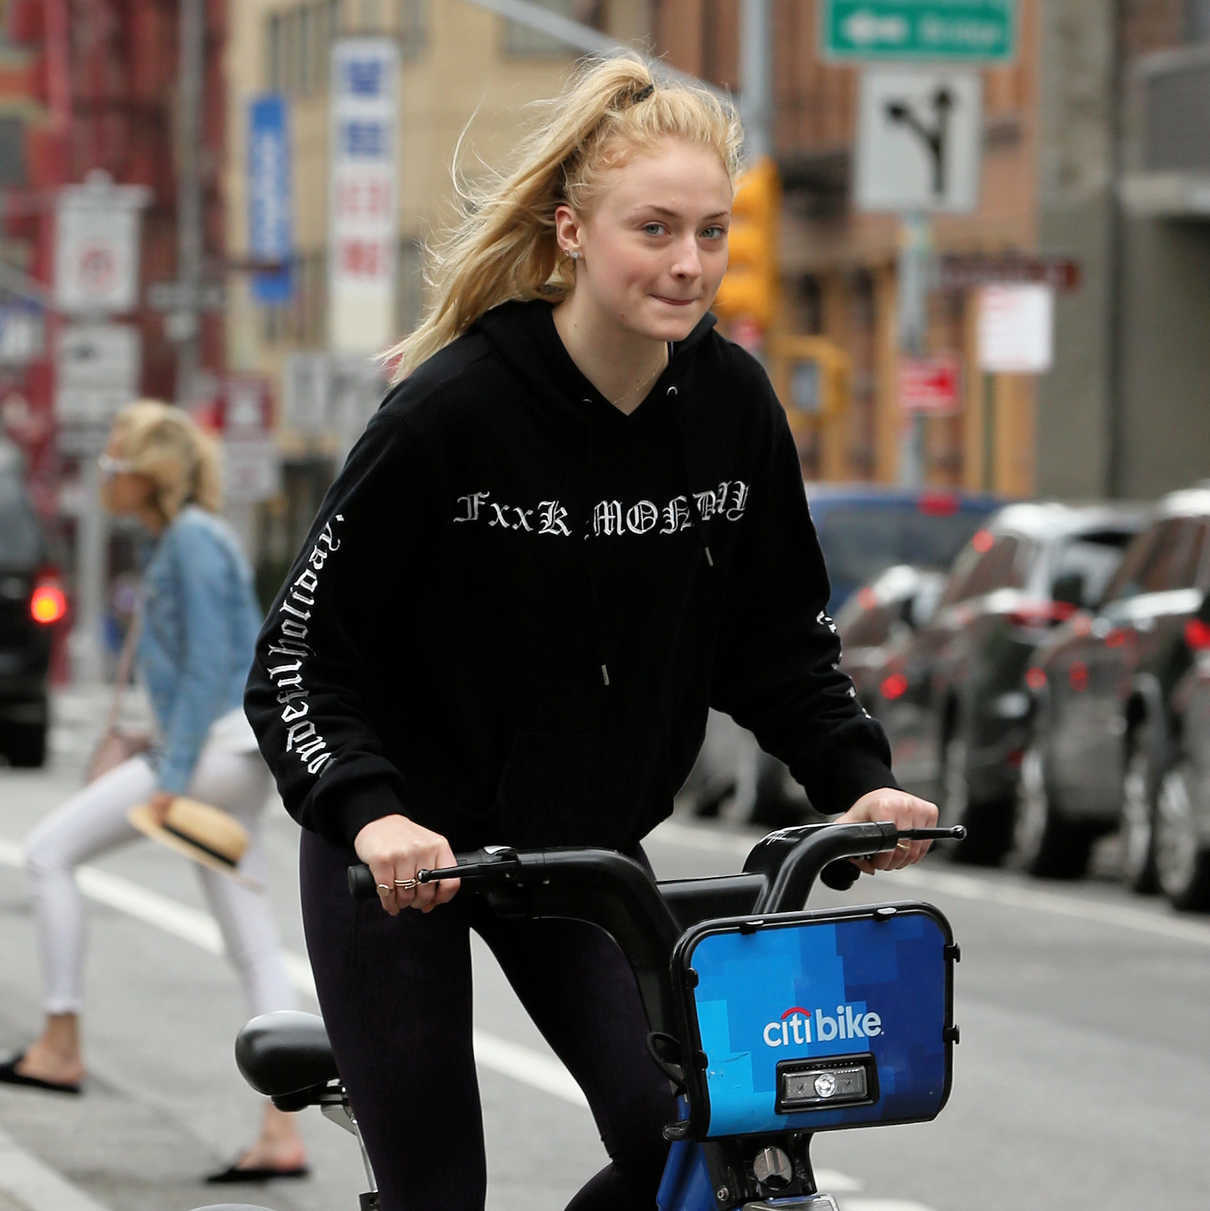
[1197, 20]
[12, 150]
[307, 59]
[524, 40]
[409, 293]
[413, 26]
[273, 53]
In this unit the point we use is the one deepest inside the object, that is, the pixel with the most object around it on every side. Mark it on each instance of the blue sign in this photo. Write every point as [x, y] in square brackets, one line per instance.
[871, 989]
[270, 206]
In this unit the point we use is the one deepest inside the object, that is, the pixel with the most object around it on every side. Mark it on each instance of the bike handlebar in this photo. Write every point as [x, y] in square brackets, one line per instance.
[820, 847]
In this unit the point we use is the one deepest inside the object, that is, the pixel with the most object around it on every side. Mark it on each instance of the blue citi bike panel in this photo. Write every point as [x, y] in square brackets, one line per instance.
[818, 1020]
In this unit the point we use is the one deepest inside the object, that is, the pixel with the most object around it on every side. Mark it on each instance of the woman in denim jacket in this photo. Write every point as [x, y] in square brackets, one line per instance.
[200, 621]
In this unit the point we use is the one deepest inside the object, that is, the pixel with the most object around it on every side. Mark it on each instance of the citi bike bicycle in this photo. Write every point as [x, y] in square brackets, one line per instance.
[772, 1021]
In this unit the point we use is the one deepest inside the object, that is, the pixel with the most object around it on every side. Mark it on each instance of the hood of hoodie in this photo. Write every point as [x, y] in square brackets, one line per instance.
[524, 335]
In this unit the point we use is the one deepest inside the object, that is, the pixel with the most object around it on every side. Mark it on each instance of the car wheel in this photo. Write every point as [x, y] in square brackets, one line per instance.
[1046, 842]
[1138, 813]
[27, 745]
[1182, 863]
[986, 840]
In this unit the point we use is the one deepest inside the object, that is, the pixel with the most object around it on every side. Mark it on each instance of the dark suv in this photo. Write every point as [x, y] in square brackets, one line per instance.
[953, 700]
[1102, 728]
[31, 604]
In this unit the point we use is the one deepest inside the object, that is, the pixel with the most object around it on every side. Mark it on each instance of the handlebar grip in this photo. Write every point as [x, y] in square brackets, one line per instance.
[361, 883]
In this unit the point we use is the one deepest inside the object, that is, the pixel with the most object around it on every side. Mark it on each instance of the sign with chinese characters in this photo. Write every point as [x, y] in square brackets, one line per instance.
[363, 195]
[269, 196]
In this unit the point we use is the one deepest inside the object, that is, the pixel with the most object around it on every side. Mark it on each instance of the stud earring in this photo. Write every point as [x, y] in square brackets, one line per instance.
[574, 253]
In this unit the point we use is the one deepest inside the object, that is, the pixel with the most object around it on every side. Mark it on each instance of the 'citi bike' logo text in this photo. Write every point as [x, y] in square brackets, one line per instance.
[798, 1025]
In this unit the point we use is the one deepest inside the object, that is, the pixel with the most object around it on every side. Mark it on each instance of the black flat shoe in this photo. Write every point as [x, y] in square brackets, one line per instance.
[257, 1173]
[10, 1076]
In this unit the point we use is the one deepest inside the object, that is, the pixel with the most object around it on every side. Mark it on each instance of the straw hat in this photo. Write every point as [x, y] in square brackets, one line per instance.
[199, 831]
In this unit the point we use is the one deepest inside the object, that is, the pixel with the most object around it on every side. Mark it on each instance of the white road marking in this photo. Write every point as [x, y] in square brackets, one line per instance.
[1032, 896]
[32, 1184]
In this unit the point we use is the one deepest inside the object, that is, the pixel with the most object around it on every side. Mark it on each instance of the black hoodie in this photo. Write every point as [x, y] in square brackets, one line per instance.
[517, 602]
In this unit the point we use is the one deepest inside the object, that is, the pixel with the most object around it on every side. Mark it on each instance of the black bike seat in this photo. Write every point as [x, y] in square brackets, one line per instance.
[285, 1052]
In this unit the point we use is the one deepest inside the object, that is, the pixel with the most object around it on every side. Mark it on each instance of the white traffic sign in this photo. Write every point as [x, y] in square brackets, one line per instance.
[919, 134]
[97, 372]
[98, 355]
[307, 382]
[97, 246]
[1016, 329]
[22, 333]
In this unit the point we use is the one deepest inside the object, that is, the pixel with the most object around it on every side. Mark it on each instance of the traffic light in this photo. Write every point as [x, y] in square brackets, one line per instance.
[749, 289]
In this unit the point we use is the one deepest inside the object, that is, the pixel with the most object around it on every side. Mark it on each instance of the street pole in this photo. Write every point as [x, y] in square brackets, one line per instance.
[915, 258]
[756, 77]
[189, 200]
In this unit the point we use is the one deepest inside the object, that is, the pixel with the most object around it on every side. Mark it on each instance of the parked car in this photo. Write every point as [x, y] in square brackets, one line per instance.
[31, 602]
[863, 529]
[1101, 725]
[953, 701]
[1182, 816]
[866, 528]
[880, 617]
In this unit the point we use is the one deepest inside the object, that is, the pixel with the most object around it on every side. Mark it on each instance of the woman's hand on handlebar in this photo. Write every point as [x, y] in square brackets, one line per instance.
[395, 848]
[904, 811]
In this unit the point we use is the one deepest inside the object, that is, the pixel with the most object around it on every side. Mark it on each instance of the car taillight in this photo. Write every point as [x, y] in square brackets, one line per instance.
[1197, 634]
[1041, 613]
[938, 504]
[894, 686]
[1035, 678]
[48, 602]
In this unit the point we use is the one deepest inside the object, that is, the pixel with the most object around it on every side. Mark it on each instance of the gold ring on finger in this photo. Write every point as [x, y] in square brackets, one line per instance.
[383, 888]
[406, 884]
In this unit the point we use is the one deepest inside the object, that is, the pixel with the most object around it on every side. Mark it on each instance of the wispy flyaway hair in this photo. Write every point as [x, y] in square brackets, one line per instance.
[504, 245]
[165, 444]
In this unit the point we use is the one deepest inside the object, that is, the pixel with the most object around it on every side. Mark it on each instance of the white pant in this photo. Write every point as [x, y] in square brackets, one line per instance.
[94, 820]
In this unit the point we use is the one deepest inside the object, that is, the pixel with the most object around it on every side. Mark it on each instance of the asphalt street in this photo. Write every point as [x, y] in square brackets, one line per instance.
[1082, 1080]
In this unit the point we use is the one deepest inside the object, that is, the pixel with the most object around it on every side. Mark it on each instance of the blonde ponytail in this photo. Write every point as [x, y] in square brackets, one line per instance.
[504, 245]
[165, 444]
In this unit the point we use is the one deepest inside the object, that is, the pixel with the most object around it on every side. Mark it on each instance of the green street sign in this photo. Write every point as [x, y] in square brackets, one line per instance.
[930, 30]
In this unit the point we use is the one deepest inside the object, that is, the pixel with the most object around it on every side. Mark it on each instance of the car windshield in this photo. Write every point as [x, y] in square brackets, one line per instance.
[859, 543]
[1085, 564]
[20, 542]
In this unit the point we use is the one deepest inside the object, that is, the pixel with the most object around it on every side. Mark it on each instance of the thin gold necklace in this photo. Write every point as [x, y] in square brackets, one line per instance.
[643, 381]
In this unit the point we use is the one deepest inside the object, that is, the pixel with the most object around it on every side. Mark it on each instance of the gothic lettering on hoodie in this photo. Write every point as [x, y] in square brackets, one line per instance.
[290, 648]
[613, 517]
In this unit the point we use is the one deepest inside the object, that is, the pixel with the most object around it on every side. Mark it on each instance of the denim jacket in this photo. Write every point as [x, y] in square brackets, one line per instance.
[200, 621]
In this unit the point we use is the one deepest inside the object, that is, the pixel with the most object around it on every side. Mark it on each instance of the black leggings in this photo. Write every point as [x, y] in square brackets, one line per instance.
[395, 994]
